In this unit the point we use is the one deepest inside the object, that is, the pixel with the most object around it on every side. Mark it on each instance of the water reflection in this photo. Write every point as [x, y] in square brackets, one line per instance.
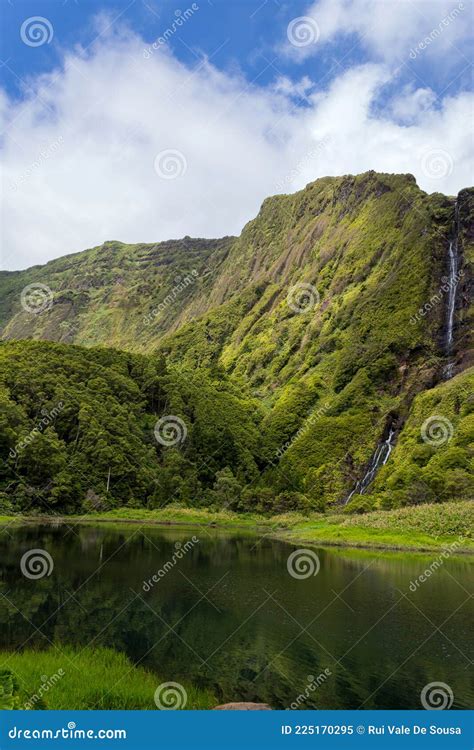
[229, 617]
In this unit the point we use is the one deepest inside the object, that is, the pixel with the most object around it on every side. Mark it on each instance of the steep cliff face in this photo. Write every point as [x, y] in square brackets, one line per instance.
[464, 305]
[117, 295]
[348, 237]
[330, 311]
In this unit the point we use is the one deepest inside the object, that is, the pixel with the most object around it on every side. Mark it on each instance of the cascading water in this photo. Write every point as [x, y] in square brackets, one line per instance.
[379, 459]
[453, 284]
[384, 449]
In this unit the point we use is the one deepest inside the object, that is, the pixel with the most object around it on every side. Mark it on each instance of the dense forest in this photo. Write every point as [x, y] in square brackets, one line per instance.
[253, 373]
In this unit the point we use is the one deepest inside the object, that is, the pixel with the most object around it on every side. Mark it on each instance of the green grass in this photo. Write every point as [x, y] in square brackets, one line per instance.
[173, 515]
[88, 679]
[421, 527]
[424, 527]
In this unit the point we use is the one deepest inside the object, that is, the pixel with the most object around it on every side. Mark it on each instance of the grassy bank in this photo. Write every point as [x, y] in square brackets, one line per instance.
[423, 527]
[89, 679]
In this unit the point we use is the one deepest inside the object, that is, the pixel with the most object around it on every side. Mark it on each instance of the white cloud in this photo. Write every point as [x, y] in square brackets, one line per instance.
[409, 105]
[78, 157]
[297, 89]
[391, 30]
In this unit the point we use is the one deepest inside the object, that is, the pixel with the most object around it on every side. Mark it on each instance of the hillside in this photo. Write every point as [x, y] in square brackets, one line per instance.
[289, 353]
[107, 295]
[346, 236]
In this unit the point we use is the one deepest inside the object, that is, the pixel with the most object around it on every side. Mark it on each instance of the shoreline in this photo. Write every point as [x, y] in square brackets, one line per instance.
[332, 530]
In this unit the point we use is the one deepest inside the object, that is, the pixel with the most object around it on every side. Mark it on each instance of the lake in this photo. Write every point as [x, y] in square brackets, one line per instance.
[342, 630]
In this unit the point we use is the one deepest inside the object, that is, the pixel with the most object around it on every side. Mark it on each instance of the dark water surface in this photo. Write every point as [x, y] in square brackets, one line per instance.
[229, 616]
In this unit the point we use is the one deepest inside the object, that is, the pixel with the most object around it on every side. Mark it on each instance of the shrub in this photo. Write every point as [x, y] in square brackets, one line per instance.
[359, 504]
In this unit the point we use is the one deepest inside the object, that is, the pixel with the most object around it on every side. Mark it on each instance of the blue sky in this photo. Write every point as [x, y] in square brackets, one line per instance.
[108, 132]
[234, 34]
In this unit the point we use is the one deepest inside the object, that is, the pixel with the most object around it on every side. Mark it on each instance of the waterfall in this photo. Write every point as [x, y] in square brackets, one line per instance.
[453, 284]
[384, 448]
[379, 459]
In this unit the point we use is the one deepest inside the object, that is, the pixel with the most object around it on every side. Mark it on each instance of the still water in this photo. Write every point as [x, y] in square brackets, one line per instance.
[226, 614]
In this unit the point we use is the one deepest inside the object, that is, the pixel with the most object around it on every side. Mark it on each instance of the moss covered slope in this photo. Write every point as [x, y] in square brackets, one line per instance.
[289, 351]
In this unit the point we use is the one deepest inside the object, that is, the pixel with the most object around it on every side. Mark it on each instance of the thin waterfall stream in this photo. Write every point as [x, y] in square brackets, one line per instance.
[384, 448]
[453, 252]
[379, 458]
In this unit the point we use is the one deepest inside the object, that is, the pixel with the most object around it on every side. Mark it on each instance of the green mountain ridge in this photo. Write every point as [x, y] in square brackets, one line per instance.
[286, 352]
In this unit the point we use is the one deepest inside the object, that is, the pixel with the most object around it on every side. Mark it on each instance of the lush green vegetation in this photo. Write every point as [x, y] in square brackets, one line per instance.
[91, 678]
[419, 527]
[441, 466]
[77, 430]
[118, 295]
[279, 410]
[423, 527]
